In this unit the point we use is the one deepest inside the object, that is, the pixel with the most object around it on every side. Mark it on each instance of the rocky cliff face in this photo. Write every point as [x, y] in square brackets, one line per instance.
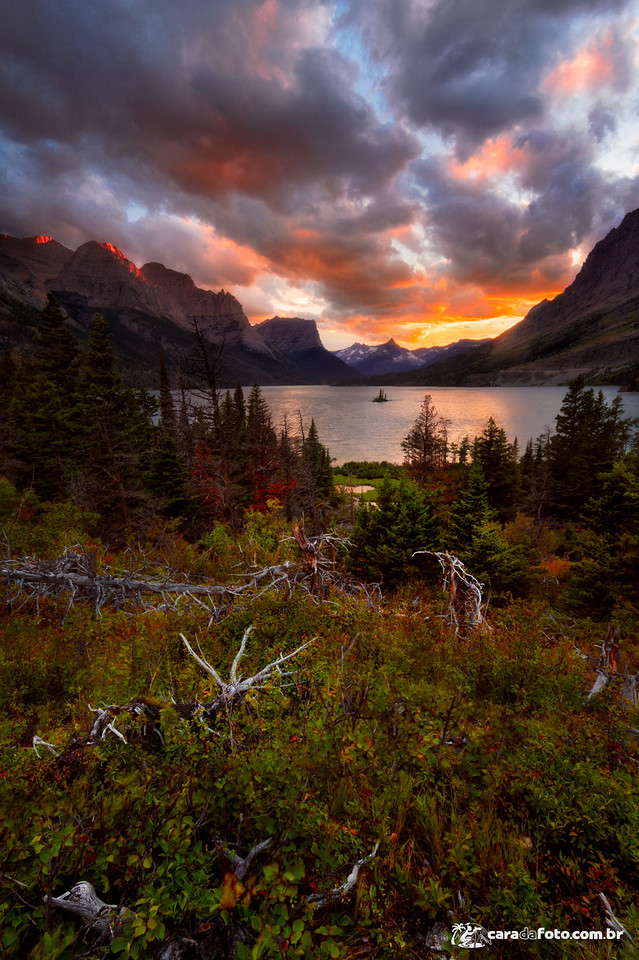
[152, 309]
[291, 335]
[99, 273]
[220, 315]
[607, 284]
[299, 340]
[26, 265]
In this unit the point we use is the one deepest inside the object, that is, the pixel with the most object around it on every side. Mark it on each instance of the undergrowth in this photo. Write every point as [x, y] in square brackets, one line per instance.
[497, 792]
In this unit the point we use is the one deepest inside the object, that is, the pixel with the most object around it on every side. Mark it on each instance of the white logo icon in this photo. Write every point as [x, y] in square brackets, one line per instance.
[469, 935]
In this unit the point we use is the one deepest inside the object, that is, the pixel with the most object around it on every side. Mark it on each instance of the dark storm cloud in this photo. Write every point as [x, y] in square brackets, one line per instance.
[139, 82]
[241, 138]
[491, 239]
[470, 68]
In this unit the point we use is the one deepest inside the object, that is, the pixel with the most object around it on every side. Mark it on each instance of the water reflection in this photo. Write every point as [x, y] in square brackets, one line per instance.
[355, 428]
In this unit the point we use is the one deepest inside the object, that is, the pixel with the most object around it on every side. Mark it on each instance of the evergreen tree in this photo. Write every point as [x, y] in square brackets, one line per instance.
[405, 518]
[470, 510]
[319, 462]
[55, 351]
[117, 434]
[239, 407]
[166, 476]
[261, 440]
[498, 461]
[168, 419]
[425, 446]
[41, 435]
[589, 436]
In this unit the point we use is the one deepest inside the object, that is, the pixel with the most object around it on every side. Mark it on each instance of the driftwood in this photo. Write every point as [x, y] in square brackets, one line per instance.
[213, 940]
[103, 919]
[613, 923]
[321, 900]
[74, 574]
[465, 613]
[607, 668]
[107, 920]
[143, 716]
[238, 687]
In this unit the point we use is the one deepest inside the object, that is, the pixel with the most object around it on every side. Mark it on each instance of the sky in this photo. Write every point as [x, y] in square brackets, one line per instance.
[421, 169]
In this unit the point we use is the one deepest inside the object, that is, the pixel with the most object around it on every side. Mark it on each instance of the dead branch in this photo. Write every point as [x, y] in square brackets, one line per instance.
[237, 687]
[241, 864]
[39, 742]
[103, 918]
[142, 717]
[321, 900]
[612, 922]
[321, 571]
[465, 614]
[74, 574]
[607, 667]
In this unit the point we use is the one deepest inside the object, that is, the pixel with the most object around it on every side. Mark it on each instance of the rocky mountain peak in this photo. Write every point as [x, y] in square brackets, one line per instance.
[608, 278]
[291, 335]
[43, 256]
[101, 274]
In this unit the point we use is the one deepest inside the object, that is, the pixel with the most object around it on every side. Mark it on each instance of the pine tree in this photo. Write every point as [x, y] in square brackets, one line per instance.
[41, 434]
[469, 510]
[406, 518]
[589, 436]
[55, 351]
[498, 461]
[168, 419]
[261, 440]
[117, 434]
[425, 447]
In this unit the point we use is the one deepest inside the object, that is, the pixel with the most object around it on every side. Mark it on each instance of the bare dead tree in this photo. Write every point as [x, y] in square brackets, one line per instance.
[237, 687]
[207, 367]
[465, 608]
[607, 668]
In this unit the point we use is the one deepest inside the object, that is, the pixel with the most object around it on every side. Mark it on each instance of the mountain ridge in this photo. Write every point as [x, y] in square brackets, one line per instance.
[590, 329]
[150, 310]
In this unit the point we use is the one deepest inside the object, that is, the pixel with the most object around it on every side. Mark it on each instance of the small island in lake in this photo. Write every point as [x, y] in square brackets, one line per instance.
[381, 397]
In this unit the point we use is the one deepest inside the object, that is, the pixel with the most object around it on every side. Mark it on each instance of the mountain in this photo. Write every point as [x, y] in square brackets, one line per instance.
[390, 358]
[299, 340]
[592, 328]
[149, 310]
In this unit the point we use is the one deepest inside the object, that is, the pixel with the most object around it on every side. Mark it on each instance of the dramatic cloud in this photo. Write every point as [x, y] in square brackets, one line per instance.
[388, 166]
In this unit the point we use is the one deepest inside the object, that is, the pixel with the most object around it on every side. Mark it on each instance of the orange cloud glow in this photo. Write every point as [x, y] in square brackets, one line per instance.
[496, 156]
[591, 68]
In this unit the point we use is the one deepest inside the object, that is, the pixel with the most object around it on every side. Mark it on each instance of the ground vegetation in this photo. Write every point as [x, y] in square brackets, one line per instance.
[241, 718]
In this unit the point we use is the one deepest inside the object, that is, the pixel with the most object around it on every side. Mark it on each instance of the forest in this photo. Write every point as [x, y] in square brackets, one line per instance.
[247, 714]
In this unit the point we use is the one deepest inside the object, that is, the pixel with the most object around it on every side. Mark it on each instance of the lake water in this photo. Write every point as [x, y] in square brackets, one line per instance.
[354, 428]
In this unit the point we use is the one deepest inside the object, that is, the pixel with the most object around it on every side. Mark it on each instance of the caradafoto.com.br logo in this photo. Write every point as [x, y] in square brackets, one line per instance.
[470, 935]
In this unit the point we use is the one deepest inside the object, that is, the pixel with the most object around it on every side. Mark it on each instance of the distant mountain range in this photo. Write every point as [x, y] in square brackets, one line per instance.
[592, 328]
[151, 310]
[389, 357]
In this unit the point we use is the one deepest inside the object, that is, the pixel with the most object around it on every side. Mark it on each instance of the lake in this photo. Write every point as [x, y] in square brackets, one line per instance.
[354, 428]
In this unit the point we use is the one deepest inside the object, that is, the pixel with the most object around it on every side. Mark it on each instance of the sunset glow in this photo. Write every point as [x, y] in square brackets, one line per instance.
[421, 171]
